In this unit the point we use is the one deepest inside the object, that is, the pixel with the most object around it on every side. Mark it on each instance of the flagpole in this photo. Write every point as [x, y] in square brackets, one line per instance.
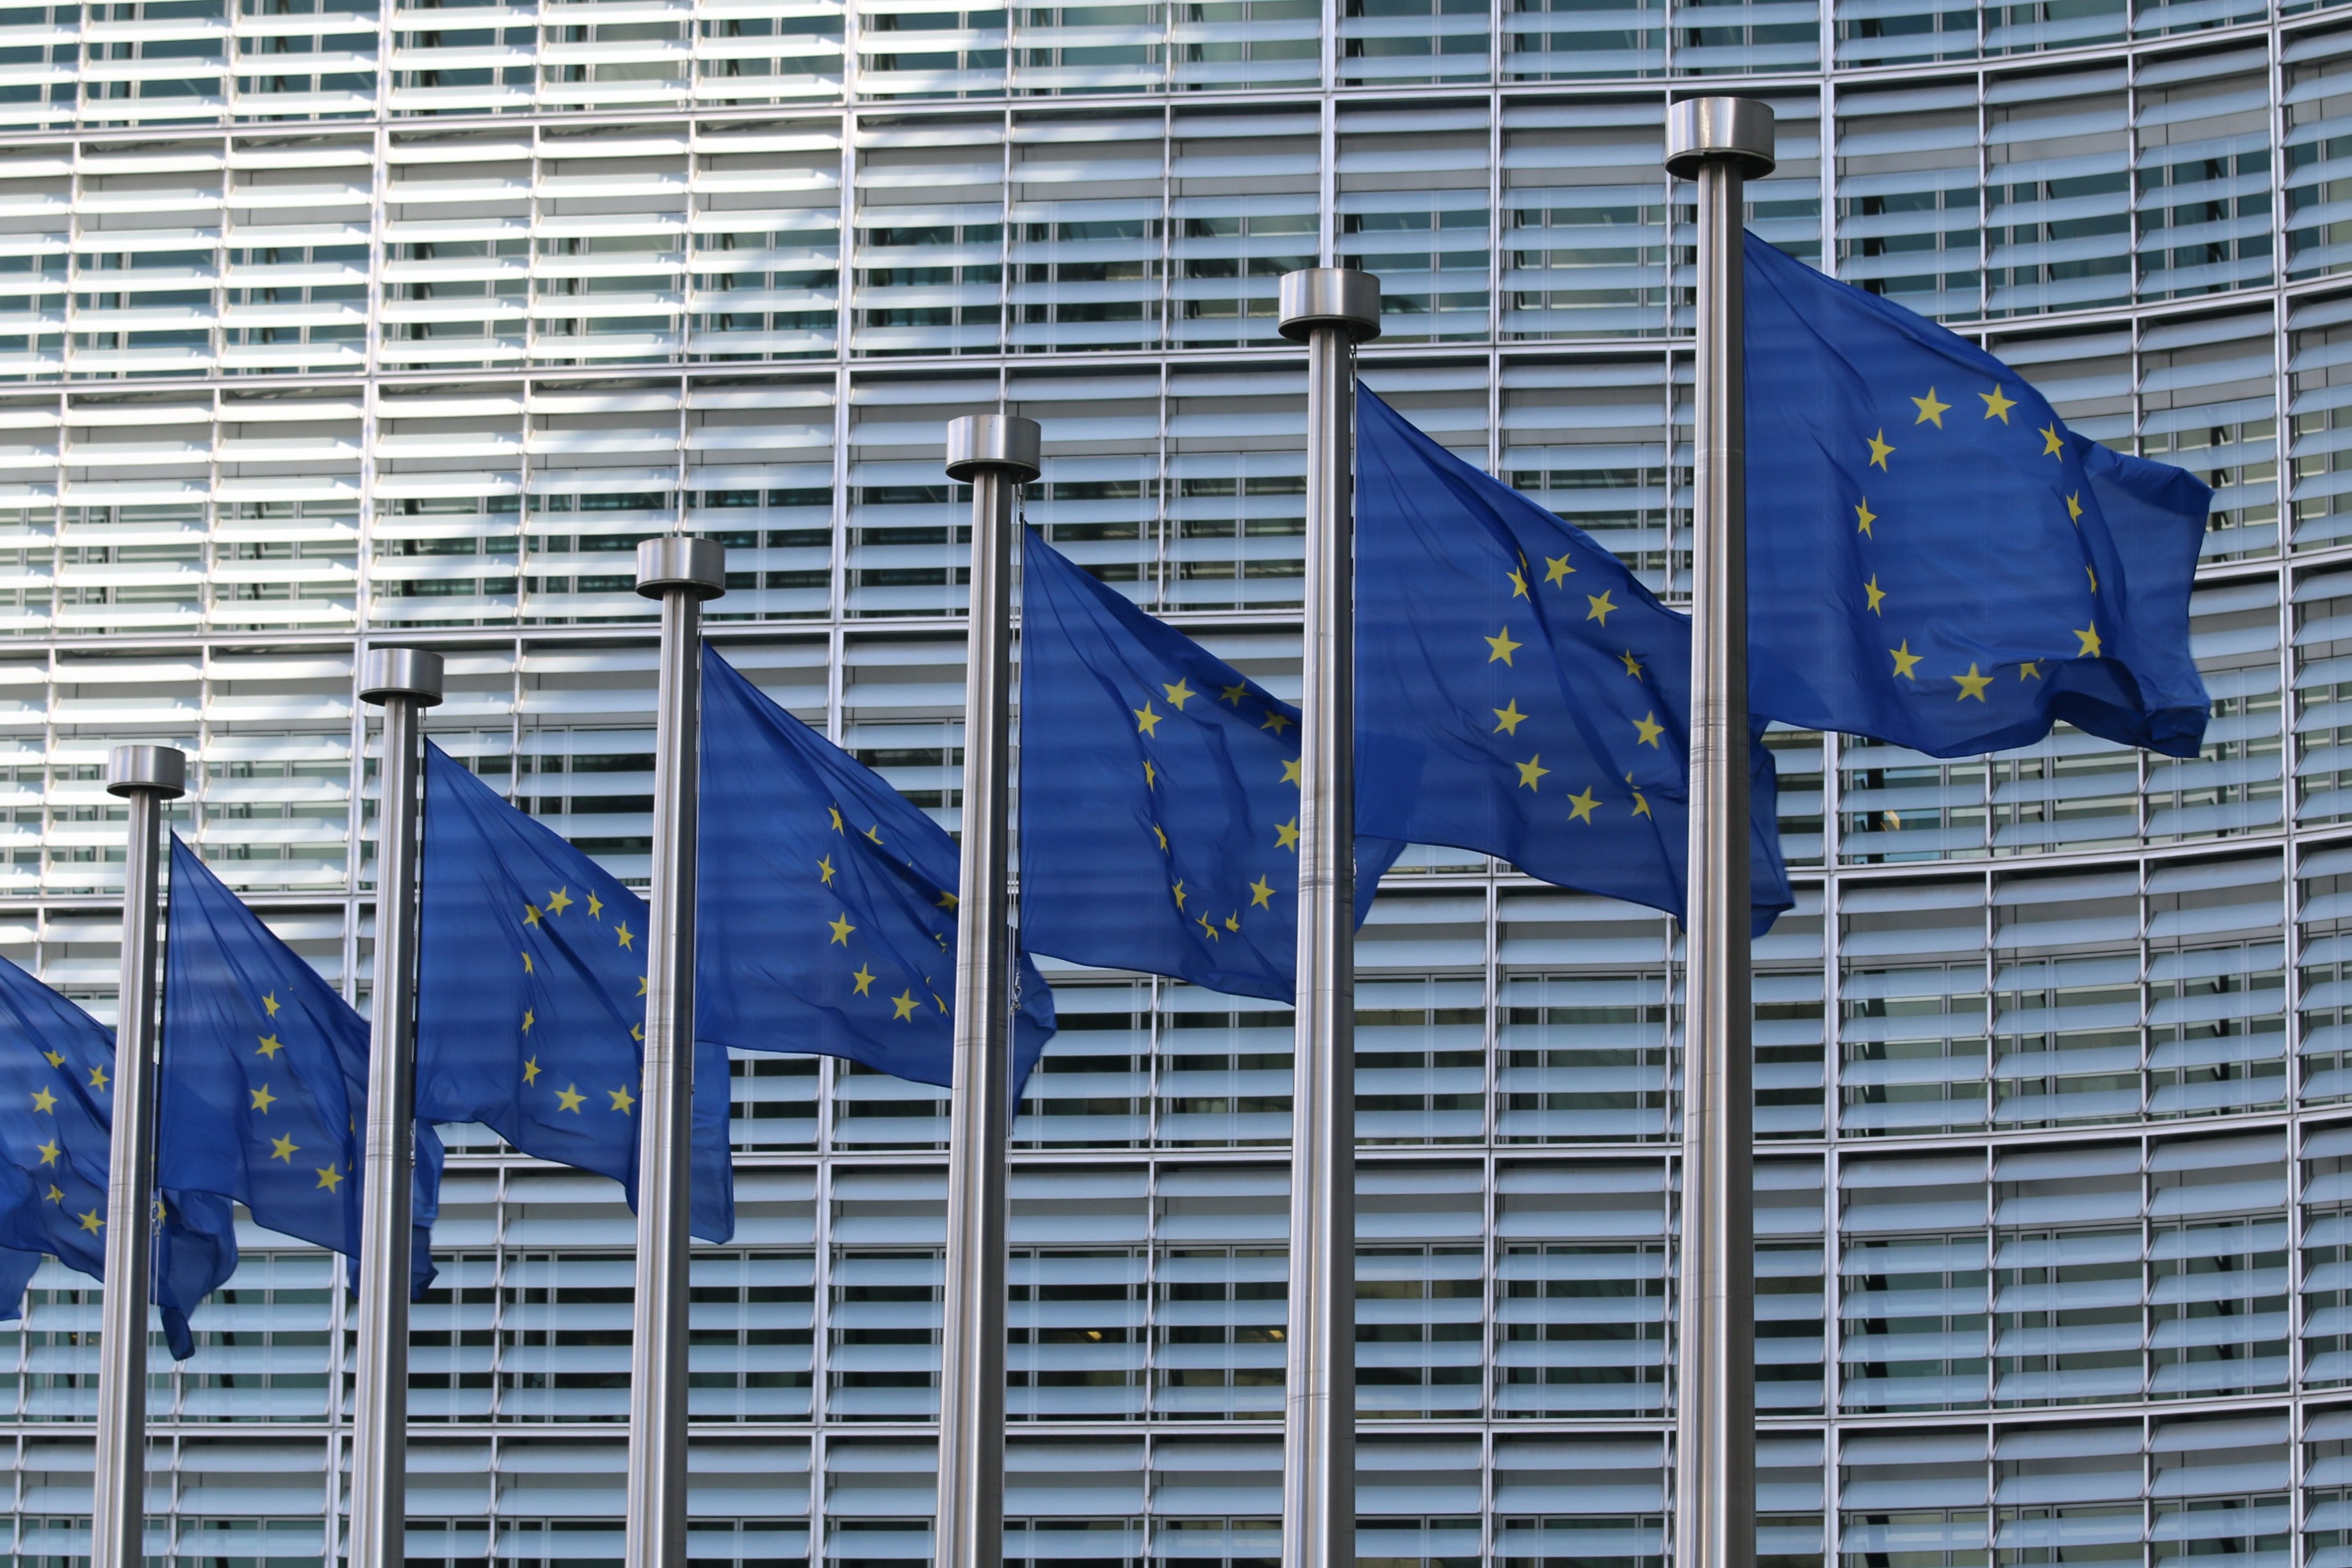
[1332, 309]
[403, 682]
[681, 572]
[146, 777]
[1720, 142]
[996, 454]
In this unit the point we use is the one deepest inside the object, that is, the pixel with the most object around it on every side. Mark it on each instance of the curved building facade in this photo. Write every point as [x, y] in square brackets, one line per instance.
[323, 320]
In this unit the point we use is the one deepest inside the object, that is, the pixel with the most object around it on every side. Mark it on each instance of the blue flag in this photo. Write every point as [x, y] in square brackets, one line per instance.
[261, 1096]
[1934, 559]
[827, 916]
[56, 1107]
[1518, 692]
[1159, 796]
[531, 997]
[16, 1271]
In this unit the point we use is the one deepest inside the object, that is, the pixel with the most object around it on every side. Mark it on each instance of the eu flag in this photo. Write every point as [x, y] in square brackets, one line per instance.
[261, 1096]
[57, 1106]
[827, 917]
[16, 1271]
[1159, 796]
[531, 997]
[1934, 560]
[1518, 692]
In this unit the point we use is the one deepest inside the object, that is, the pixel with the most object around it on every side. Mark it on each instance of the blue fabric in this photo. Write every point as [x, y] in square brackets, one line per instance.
[827, 917]
[531, 997]
[57, 1106]
[1518, 692]
[1159, 796]
[261, 1096]
[16, 1271]
[1934, 559]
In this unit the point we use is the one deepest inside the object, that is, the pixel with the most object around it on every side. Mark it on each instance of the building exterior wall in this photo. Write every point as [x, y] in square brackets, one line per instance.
[320, 320]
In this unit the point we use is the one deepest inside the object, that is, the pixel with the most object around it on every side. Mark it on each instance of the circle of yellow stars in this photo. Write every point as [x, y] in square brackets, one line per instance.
[1148, 720]
[554, 906]
[1500, 648]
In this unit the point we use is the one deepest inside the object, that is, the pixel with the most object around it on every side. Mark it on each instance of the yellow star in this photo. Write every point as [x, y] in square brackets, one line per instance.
[1864, 516]
[824, 871]
[2053, 444]
[559, 900]
[621, 1099]
[1650, 728]
[1146, 718]
[531, 914]
[1290, 774]
[1530, 770]
[1179, 693]
[596, 907]
[641, 985]
[834, 812]
[50, 1151]
[637, 1032]
[329, 1176]
[1930, 410]
[98, 1078]
[45, 1102]
[284, 1148]
[270, 1047]
[530, 1071]
[1500, 647]
[91, 1222]
[1877, 594]
[946, 901]
[528, 1019]
[627, 937]
[1904, 659]
[56, 1194]
[271, 1004]
[1285, 835]
[841, 928]
[1556, 570]
[875, 832]
[903, 1005]
[1210, 931]
[1600, 607]
[54, 1058]
[2075, 508]
[1508, 720]
[263, 1099]
[2030, 671]
[1178, 891]
[1972, 684]
[1632, 664]
[863, 978]
[1234, 693]
[1276, 720]
[1518, 582]
[2095, 577]
[1150, 775]
[1879, 450]
[1261, 894]
[1233, 921]
[1641, 801]
[2090, 640]
[1998, 404]
[1581, 806]
[526, 963]
[569, 1098]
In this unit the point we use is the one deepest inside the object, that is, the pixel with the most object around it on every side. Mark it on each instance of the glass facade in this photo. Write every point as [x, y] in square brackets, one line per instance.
[328, 318]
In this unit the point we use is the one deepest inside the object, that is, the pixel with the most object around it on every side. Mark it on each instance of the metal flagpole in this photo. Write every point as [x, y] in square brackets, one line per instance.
[145, 776]
[1720, 142]
[681, 572]
[996, 454]
[405, 682]
[1331, 309]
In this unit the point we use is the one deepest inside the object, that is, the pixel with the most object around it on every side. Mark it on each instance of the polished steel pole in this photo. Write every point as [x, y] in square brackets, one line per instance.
[1720, 142]
[996, 454]
[1331, 309]
[681, 572]
[145, 776]
[403, 682]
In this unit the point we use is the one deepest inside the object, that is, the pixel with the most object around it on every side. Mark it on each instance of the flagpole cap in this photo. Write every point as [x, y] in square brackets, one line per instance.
[389, 673]
[1337, 297]
[680, 560]
[1700, 130]
[994, 443]
[159, 770]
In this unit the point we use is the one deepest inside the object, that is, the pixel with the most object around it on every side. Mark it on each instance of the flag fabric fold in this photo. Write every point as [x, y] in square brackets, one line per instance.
[1935, 560]
[1159, 793]
[56, 1110]
[531, 997]
[261, 1096]
[1518, 692]
[826, 922]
